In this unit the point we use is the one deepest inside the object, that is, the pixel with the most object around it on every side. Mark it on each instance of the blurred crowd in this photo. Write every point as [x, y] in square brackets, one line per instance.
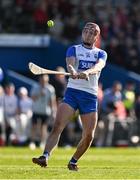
[119, 22]
[27, 116]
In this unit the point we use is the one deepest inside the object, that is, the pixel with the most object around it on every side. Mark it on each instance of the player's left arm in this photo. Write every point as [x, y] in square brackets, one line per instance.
[96, 68]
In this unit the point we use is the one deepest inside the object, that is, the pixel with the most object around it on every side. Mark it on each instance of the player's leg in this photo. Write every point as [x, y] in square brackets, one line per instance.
[44, 130]
[34, 127]
[64, 114]
[89, 122]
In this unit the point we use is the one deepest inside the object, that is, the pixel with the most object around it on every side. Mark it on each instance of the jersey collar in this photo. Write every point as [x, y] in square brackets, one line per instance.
[87, 47]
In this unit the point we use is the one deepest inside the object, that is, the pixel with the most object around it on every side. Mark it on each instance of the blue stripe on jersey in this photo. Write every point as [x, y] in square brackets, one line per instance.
[84, 65]
[102, 55]
[71, 52]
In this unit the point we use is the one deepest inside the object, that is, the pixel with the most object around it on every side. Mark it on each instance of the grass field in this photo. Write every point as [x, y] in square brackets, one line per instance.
[97, 163]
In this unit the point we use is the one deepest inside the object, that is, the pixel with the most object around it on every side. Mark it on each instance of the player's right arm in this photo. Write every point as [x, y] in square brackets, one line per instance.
[70, 61]
[102, 56]
[70, 67]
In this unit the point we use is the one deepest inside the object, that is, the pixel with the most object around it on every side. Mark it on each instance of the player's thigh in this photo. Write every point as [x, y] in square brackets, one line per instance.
[64, 114]
[89, 122]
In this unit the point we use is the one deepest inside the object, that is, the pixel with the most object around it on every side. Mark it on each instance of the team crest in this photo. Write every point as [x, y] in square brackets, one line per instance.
[95, 56]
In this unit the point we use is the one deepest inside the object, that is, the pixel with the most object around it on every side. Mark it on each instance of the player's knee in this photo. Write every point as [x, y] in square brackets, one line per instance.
[89, 137]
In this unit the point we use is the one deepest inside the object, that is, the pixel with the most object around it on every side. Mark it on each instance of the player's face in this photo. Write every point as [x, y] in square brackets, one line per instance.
[89, 34]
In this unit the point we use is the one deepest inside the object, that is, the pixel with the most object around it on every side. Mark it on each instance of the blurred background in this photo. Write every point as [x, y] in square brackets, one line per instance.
[25, 37]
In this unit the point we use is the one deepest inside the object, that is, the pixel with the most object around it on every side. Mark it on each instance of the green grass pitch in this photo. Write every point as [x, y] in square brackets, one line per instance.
[97, 163]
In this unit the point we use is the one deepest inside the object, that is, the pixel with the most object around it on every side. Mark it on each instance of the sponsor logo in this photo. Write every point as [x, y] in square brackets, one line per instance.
[83, 65]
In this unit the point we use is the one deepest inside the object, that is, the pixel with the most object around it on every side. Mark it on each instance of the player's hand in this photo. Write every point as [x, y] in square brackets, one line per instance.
[74, 73]
[83, 75]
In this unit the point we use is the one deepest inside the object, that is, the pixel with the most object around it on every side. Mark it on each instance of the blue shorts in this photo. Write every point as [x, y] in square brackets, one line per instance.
[81, 100]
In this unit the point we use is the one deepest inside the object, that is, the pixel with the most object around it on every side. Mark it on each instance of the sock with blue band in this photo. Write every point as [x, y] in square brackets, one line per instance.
[73, 161]
[46, 154]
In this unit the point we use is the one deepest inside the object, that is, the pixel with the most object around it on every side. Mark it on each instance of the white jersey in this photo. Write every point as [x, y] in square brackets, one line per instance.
[85, 59]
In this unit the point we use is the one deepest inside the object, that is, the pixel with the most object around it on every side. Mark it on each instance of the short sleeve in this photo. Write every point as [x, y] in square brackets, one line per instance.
[71, 52]
[102, 55]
